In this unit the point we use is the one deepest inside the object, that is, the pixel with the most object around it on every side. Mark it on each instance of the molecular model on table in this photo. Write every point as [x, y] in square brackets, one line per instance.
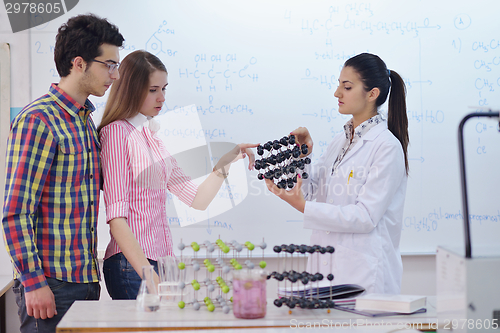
[301, 287]
[220, 259]
[282, 162]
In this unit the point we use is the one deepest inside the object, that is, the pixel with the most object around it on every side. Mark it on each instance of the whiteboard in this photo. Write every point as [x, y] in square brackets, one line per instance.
[252, 71]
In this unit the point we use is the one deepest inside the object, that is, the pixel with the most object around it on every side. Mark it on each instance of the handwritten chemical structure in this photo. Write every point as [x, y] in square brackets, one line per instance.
[487, 65]
[212, 109]
[225, 109]
[411, 28]
[481, 129]
[427, 116]
[423, 224]
[331, 55]
[155, 45]
[485, 47]
[326, 115]
[485, 88]
[209, 134]
[330, 81]
[217, 72]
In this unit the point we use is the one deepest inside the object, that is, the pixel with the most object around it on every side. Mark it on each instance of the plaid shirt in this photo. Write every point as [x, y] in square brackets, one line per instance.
[52, 192]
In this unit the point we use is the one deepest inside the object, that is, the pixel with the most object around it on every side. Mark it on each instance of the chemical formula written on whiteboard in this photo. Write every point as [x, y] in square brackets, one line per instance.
[217, 72]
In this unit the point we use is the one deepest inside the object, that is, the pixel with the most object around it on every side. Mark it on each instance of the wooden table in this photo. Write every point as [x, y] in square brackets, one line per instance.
[6, 281]
[122, 316]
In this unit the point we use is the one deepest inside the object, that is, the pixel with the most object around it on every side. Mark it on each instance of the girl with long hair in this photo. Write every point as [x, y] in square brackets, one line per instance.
[139, 172]
[354, 197]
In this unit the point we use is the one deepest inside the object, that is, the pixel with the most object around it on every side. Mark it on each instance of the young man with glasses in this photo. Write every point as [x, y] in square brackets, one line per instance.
[52, 183]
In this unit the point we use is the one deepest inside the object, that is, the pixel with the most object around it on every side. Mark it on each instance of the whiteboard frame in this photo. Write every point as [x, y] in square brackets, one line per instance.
[5, 82]
[4, 109]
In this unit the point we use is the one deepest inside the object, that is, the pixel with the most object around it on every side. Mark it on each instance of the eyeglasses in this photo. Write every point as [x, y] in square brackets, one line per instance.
[111, 66]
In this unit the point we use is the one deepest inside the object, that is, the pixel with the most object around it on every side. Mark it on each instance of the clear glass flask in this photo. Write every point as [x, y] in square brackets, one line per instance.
[147, 298]
[171, 276]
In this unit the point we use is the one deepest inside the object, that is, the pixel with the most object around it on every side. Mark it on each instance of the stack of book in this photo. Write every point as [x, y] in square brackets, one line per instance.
[392, 303]
[378, 305]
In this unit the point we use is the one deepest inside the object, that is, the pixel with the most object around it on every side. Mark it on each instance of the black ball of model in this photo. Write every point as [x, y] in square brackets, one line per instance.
[283, 162]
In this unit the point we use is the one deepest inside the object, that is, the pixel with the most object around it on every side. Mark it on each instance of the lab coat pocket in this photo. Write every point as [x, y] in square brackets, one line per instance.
[355, 187]
[354, 267]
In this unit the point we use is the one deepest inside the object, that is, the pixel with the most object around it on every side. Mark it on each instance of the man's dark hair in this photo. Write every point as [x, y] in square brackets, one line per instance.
[81, 36]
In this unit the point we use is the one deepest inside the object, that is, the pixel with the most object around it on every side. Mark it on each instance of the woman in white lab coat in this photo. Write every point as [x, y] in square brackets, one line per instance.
[354, 196]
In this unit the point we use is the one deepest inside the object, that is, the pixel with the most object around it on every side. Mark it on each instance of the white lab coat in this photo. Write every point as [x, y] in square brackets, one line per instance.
[360, 216]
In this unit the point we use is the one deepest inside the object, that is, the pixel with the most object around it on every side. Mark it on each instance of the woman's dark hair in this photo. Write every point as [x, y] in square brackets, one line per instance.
[127, 95]
[82, 36]
[374, 74]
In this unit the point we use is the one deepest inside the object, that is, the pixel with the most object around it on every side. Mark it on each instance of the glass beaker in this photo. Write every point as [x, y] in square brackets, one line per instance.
[170, 277]
[249, 293]
[147, 298]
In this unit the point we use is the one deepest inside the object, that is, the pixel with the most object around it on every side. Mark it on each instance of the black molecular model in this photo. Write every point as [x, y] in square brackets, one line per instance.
[282, 162]
[304, 287]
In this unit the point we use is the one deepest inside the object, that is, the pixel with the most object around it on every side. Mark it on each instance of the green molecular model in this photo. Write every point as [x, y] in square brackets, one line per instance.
[220, 259]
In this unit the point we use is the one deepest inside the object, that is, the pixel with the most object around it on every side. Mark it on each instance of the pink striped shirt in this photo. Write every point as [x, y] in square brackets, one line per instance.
[137, 171]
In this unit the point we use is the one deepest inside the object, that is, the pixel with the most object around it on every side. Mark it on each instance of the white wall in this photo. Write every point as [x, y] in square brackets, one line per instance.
[419, 275]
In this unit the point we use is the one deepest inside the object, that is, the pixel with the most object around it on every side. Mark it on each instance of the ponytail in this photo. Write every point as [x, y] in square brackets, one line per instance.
[397, 119]
[374, 74]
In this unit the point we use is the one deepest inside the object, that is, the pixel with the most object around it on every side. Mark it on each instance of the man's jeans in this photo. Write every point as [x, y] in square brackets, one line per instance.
[65, 293]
